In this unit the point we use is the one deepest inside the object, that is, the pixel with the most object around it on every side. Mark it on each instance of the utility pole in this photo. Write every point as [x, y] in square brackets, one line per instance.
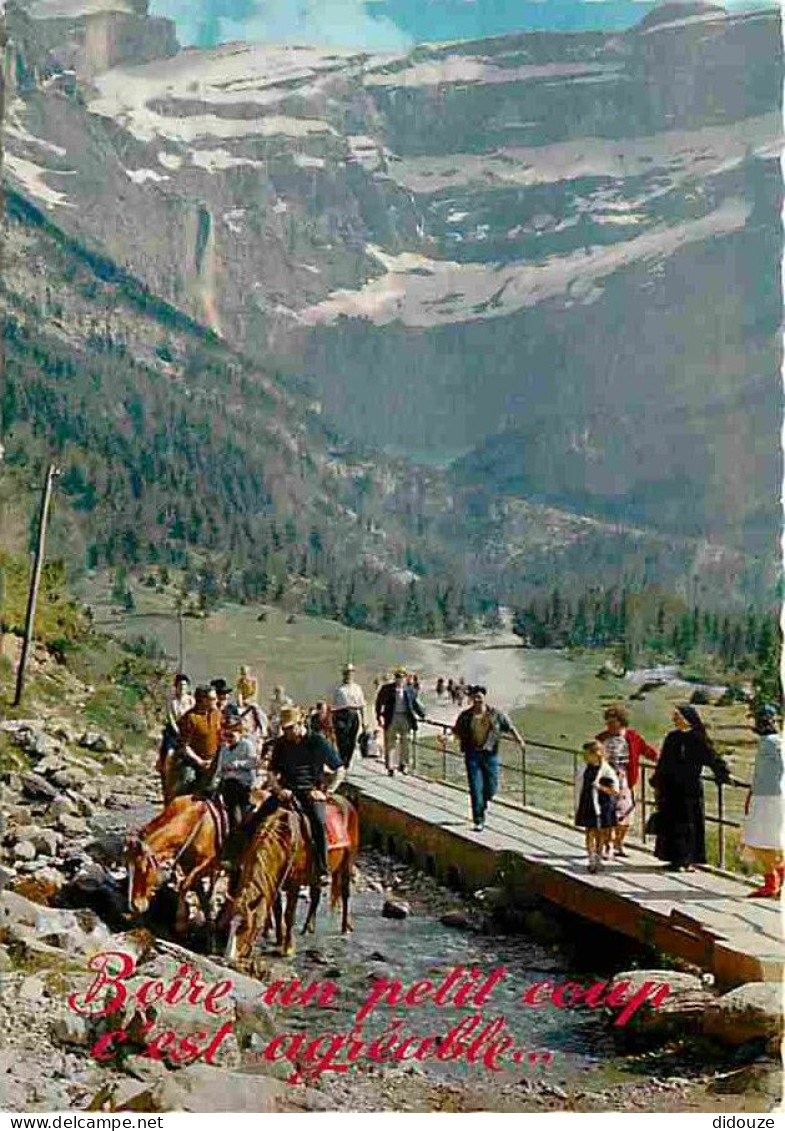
[3, 80]
[180, 637]
[35, 581]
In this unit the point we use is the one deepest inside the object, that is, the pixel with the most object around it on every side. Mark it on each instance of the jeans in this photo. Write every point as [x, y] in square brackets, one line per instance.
[482, 770]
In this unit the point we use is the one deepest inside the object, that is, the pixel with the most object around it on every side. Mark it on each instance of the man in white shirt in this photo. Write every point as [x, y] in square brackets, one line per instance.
[182, 701]
[348, 709]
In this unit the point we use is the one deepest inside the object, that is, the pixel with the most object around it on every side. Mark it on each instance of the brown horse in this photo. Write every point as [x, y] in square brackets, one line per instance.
[277, 862]
[185, 839]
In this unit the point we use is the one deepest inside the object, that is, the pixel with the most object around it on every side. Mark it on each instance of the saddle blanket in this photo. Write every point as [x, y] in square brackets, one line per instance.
[337, 833]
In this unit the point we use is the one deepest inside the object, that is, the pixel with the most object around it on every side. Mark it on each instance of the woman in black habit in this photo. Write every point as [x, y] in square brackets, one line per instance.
[680, 827]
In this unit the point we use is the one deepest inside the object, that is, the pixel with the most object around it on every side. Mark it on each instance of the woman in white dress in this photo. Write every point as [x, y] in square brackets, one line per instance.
[764, 825]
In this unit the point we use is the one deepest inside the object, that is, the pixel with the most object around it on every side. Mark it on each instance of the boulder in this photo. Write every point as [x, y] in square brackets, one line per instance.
[70, 777]
[43, 887]
[34, 742]
[214, 1090]
[72, 826]
[19, 815]
[70, 1028]
[459, 919]
[93, 740]
[23, 850]
[32, 990]
[752, 1012]
[37, 787]
[50, 765]
[395, 909]
[46, 841]
[761, 1078]
[22, 918]
[680, 1013]
[63, 806]
[152, 1088]
[84, 807]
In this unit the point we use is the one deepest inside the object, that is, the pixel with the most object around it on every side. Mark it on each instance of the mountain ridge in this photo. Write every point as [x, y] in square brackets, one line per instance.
[254, 189]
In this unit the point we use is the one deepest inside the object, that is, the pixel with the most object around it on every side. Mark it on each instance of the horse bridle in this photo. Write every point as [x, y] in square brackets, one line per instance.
[160, 865]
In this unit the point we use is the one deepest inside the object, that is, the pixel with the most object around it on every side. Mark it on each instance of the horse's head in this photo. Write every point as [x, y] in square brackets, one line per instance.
[142, 874]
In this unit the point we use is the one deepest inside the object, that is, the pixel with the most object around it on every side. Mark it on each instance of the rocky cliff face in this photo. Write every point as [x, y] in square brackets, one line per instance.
[556, 255]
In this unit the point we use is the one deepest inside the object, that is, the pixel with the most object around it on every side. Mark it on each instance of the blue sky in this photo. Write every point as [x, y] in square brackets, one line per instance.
[389, 24]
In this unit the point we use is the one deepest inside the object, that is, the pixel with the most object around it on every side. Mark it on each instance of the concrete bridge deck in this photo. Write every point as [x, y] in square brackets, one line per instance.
[702, 917]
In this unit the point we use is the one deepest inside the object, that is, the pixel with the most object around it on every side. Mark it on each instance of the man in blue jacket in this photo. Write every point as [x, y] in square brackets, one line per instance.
[398, 710]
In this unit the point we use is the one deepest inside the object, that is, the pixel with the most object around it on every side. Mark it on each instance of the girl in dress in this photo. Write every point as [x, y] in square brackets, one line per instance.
[624, 749]
[597, 789]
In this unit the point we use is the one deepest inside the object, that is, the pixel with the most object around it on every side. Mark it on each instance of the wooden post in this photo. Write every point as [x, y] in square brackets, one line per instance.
[35, 581]
[180, 638]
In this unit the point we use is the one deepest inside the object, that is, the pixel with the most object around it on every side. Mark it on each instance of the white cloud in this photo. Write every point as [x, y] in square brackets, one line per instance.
[333, 23]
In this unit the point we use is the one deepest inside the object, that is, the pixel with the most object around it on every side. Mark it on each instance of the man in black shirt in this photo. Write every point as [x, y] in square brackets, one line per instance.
[297, 770]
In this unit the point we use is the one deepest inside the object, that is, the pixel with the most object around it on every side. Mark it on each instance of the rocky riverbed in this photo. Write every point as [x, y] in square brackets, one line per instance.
[68, 799]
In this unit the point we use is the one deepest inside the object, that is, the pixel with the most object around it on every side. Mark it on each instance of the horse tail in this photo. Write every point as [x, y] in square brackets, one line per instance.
[341, 877]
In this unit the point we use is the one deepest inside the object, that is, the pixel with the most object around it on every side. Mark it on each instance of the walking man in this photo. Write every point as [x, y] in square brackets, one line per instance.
[397, 711]
[348, 714]
[479, 729]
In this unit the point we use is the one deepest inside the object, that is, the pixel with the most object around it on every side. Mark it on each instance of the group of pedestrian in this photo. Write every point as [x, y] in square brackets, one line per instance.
[604, 787]
[219, 739]
[453, 691]
[606, 799]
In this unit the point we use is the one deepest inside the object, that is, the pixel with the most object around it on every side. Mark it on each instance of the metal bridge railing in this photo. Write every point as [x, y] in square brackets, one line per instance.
[543, 775]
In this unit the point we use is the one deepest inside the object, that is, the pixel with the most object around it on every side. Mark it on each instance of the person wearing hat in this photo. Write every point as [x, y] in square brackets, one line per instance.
[764, 824]
[348, 710]
[279, 700]
[479, 729]
[398, 710]
[681, 818]
[236, 769]
[198, 741]
[296, 771]
[247, 688]
[223, 692]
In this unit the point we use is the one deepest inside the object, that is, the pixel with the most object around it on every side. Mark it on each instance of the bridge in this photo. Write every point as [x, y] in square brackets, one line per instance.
[702, 917]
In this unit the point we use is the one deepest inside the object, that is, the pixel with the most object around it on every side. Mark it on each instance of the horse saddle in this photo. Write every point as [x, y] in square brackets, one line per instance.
[220, 817]
[335, 823]
[337, 832]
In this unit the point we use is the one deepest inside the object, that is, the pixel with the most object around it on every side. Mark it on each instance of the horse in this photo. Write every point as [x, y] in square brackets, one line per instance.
[188, 837]
[277, 862]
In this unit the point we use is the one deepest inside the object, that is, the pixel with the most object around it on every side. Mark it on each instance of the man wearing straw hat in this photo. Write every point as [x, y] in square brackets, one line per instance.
[398, 710]
[297, 771]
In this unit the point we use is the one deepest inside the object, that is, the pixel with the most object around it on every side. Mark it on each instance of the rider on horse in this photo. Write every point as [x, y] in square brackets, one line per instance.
[236, 769]
[194, 762]
[297, 771]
